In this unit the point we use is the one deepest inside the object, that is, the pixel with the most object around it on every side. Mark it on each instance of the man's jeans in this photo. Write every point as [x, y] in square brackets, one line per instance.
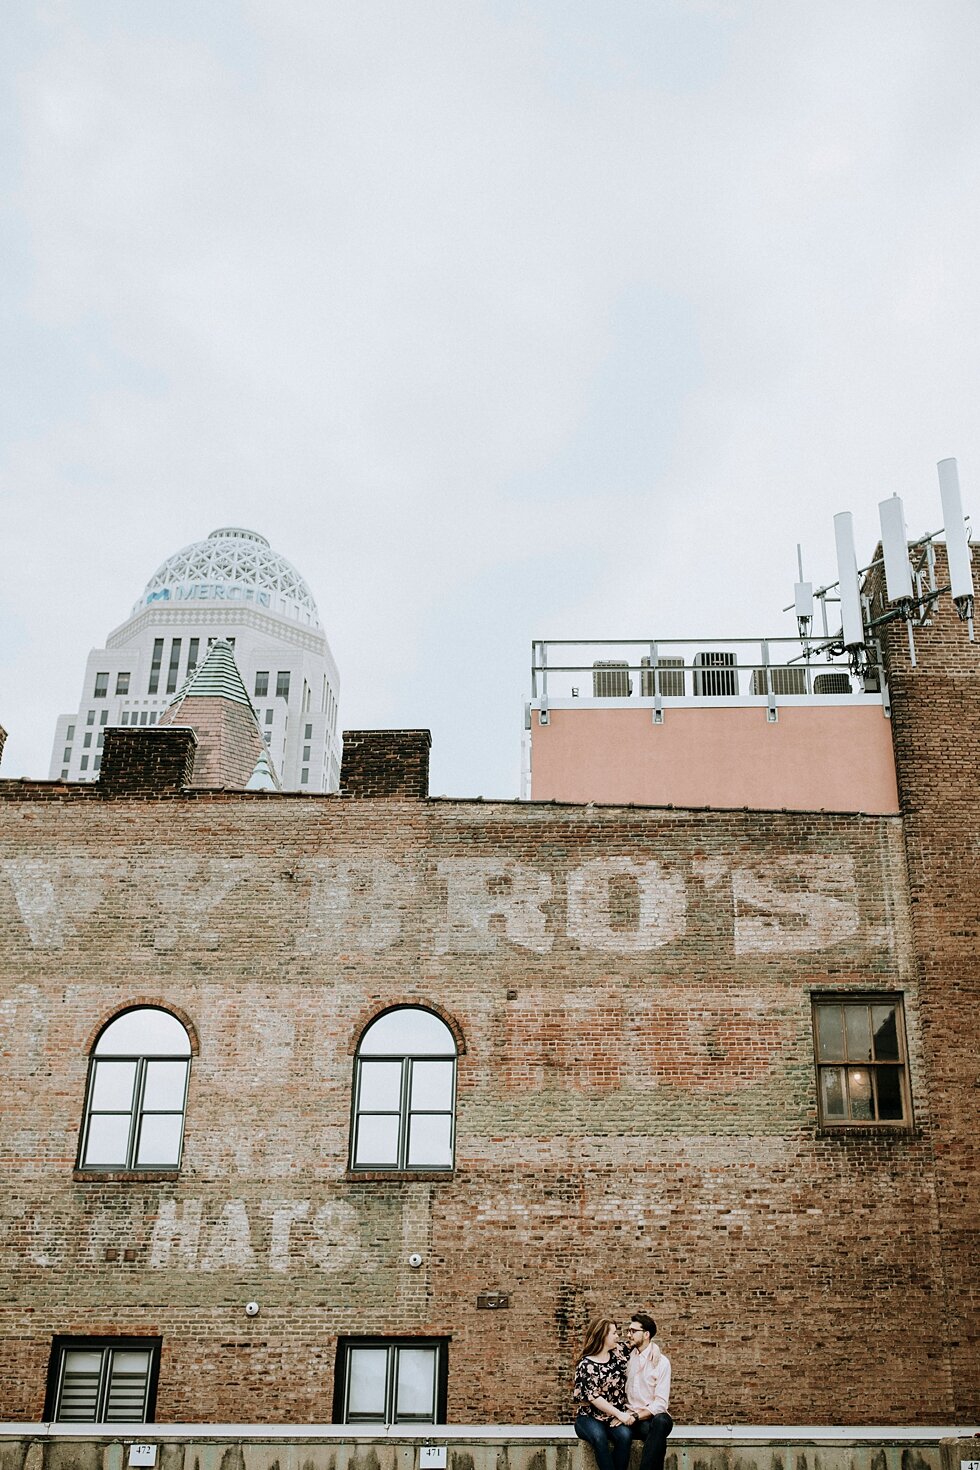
[610, 1442]
[653, 1433]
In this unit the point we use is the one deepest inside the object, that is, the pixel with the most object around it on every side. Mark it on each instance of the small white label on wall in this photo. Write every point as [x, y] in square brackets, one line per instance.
[970, 1465]
[433, 1457]
[142, 1454]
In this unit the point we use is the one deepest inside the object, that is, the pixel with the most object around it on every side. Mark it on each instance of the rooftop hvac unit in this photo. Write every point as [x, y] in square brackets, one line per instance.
[715, 674]
[780, 680]
[669, 674]
[832, 683]
[611, 680]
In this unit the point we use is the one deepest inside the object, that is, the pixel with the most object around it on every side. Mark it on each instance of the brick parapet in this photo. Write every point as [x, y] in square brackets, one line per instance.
[385, 763]
[150, 761]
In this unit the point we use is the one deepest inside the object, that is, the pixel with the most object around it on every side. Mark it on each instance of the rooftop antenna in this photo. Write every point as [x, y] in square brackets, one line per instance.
[852, 632]
[898, 572]
[803, 600]
[957, 542]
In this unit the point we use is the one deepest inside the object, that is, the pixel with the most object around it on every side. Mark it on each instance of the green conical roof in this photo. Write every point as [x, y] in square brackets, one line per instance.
[216, 677]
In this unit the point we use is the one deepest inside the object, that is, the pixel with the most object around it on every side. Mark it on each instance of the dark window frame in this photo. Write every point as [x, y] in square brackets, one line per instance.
[136, 1112]
[261, 683]
[156, 663]
[853, 1000]
[63, 1342]
[122, 682]
[405, 1111]
[101, 690]
[392, 1344]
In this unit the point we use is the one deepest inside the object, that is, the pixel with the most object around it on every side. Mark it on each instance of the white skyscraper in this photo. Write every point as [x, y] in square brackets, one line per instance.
[231, 586]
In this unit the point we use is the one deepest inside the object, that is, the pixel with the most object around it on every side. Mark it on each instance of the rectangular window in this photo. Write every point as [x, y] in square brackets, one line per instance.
[104, 717]
[97, 763]
[269, 716]
[142, 716]
[124, 717]
[67, 755]
[261, 683]
[155, 663]
[308, 732]
[391, 1381]
[304, 776]
[306, 752]
[122, 683]
[174, 668]
[862, 1079]
[87, 741]
[153, 716]
[90, 717]
[192, 649]
[64, 775]
[100, 740]
[70, 733]
[84, 762]
[103, 1380]
[101, 686]
[282, 684]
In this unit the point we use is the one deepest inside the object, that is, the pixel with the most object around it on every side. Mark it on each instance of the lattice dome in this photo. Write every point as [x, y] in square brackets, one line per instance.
[233, 565]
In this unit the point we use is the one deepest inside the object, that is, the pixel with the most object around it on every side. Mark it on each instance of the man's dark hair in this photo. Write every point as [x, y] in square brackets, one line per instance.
[644, 1320]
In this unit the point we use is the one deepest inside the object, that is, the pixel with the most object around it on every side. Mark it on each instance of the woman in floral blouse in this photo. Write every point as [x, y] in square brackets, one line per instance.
[602, 1417]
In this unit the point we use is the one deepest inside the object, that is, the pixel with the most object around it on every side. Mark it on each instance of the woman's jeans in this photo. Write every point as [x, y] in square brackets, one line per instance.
[610, 1442]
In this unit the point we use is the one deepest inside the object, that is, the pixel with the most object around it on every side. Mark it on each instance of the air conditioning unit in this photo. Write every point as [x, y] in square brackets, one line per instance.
[839, 683]
[715, 674]
[669, 674]
[781, 680]
[611, 680]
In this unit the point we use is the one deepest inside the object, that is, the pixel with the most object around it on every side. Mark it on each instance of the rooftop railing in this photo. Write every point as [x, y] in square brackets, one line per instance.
[665, 672]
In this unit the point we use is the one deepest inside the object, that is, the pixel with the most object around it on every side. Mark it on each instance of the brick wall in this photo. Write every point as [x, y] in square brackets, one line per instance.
[936, 727]
[147, 761]
[636, 1102]
[385, 763]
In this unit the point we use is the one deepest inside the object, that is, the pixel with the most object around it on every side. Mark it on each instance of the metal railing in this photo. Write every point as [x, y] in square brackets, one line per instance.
[671, 671]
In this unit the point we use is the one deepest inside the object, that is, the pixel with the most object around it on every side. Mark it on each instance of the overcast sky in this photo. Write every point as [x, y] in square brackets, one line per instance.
[500, 320]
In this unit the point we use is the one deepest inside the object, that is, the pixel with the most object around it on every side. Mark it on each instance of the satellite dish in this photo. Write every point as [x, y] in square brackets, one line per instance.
[957, 545]
[850, 587]
[895, 545]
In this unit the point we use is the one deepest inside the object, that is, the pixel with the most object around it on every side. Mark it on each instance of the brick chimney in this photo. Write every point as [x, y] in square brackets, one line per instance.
[149, 761]
[386, 763]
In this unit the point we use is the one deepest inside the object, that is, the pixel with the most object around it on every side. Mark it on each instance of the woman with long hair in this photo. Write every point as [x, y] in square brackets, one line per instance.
[602, 1417]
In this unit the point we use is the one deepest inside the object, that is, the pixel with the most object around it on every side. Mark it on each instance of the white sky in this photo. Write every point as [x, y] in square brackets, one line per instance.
[500, 320]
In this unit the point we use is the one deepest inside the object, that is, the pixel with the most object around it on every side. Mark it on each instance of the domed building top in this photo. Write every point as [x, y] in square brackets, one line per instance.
[232, 566]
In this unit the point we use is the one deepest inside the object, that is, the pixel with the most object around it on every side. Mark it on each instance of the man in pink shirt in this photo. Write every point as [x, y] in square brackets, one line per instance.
[648, 1391]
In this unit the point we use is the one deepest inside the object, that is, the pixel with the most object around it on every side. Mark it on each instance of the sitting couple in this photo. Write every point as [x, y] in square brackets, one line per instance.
[621, 1394]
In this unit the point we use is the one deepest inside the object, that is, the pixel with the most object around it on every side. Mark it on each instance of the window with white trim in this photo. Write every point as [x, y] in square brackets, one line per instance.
[103, 1380]
[391, 1381]
[137, 1090]
[404, 1092]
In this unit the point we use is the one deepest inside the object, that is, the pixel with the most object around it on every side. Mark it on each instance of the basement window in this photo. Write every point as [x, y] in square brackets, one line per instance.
[862, 1076]
[391, 1381]
[103, 1380]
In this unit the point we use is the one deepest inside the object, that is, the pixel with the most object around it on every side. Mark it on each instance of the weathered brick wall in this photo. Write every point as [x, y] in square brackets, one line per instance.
[385, 763]
[147, 761]
[936, 725]
[636, 1117]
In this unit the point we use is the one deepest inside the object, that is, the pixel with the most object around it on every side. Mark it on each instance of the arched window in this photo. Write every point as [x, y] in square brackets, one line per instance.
[134, 1113]
[404, 1092]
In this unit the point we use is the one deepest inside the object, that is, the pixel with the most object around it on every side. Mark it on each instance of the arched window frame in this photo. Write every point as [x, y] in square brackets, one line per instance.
[403, 1106]
[136, 1098]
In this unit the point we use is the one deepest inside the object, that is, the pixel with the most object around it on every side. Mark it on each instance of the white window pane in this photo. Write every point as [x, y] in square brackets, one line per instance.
[147, 1032]
[432, 1085]
[429, 1140]
[130, 1361]
[108, 1139]
[381, 1086]
[377, 1140]
[77, 1361]
[164, 1086]
[112, 1086]
[126, 1399]
[416, 1389]
[408, 1032]
[159, 1141]
[366, 1374]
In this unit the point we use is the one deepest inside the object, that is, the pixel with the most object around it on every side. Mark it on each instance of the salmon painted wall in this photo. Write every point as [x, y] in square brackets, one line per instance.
[814, 758]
